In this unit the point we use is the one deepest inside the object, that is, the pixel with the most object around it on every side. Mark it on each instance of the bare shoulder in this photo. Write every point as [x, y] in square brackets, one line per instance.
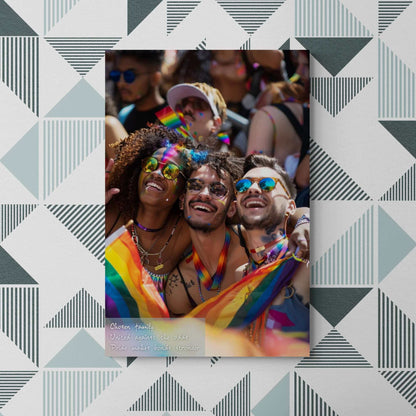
[301, 281]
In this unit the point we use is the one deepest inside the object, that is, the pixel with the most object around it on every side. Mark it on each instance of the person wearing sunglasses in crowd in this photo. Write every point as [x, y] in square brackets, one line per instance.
[137, 76]
[217, 249]
[149, 174]
[265, 199]
[203, 109]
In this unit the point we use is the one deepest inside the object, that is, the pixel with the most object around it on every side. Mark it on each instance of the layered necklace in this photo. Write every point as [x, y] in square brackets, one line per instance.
[210, 282]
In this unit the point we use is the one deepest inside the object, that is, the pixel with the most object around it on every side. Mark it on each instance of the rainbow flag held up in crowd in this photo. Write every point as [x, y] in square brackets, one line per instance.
[244, 301]
[129, 290]
[171, 120]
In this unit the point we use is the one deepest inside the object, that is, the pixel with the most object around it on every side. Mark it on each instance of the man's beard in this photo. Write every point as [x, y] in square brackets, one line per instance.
[270, 220]
[207, 228]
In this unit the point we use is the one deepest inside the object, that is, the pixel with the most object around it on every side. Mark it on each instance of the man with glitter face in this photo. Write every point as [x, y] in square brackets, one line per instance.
[203, 109]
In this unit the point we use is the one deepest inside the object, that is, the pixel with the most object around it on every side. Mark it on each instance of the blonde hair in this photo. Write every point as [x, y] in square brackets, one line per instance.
[216, 97]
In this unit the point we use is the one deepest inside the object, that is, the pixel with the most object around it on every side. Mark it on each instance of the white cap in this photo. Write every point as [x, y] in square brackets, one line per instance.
[178, 92]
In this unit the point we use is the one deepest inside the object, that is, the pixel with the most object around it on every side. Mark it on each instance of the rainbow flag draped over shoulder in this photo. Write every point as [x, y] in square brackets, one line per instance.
[129, 290]
[244, 301]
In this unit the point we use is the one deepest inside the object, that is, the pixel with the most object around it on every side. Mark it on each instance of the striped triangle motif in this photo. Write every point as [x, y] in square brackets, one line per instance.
[329, 181]
[237, 399]
[82, 311]
[335, 20]
[166, 394]
[404, 382]
[170, 360]
[307, 402]
[404, 189]
[66, 144]
[334, 351]
[11, 382]
[214, 360]
[388, 12]
[246, 46]
[54, 11]
[74, 389]
[397, 341]
[82, 53]
[12, 215]
[19, 68]
[250, 14]
[397, 86]
[202, 46]
[19, 318]
[86, 222]
[336, 93]
[177, 11]
[350, 260]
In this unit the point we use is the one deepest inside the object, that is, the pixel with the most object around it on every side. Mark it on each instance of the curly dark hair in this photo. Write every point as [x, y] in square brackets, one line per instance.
[260, 161]
[131, 151]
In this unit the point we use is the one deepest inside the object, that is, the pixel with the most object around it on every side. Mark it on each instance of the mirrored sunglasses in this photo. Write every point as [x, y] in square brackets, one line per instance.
[216, 189]
[265, 184]
[169, 170]
[129, 75]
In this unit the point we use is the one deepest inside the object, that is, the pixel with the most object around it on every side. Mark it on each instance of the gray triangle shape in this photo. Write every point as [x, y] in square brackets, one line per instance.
[404, 132]
[11, 382]
[82, 351]
[82, 53]
[12, 215]
[76, 218]
[403, 381]
[22, 160]
[286, 45]
[309, 401]
[277, 400]
[238, 398]
[11, 273]
[11, 24]
[250, 14]
[81, 101]
[329, 181]
[334, 351]
[335, 93]
[388, 12]
[137, 11]
[82, 311]
[177, 11]
[404, 189]
[166, 394]
[334, 53]
[53, 14]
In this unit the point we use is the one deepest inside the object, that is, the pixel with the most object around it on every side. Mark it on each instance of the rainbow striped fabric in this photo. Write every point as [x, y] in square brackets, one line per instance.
[129, 290]
[244, 301]
[173, 121]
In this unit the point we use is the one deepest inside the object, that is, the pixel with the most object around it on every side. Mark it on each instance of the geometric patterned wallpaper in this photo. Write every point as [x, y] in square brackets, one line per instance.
[363, 203]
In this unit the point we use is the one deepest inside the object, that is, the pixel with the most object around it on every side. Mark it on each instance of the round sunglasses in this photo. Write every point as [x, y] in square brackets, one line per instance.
[265, 184]
[216, 189]
[129, 75]
[169, 170]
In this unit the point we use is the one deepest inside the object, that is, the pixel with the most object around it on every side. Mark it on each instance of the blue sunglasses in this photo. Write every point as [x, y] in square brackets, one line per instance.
[129, 75]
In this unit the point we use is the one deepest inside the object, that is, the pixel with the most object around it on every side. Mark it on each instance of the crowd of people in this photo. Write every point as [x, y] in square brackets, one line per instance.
[207, 153]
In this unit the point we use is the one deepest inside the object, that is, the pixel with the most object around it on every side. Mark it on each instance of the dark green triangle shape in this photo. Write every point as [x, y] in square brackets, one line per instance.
[394, 244]
[276, 401]
[130, 360]
[334, 53]
[286, 45]
[137, 11]
[404, 132]
[11, 24]
[335, 303]
[11, 273]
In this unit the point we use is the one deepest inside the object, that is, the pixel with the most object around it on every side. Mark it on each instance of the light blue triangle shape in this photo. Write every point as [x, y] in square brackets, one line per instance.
[276, 402]
[22, 160]
[82, 101]
[82, 352]
[393, 244]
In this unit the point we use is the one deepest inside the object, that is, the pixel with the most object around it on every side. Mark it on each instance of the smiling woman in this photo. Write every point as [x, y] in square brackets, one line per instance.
[151, 169]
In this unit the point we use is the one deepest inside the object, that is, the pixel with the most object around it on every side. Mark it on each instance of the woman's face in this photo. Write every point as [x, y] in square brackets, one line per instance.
[161, 180]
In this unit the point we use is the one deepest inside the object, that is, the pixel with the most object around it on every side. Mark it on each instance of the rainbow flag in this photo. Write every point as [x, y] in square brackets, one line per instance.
[129, 290]
[224, 137]
[244, 301]
[173, 121]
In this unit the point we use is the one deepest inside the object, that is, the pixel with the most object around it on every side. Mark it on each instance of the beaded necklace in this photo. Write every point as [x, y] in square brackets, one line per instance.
[211, 282]
[276, 253]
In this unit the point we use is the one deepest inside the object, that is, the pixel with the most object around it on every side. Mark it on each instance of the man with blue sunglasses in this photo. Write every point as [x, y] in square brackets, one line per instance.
[137, 76]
